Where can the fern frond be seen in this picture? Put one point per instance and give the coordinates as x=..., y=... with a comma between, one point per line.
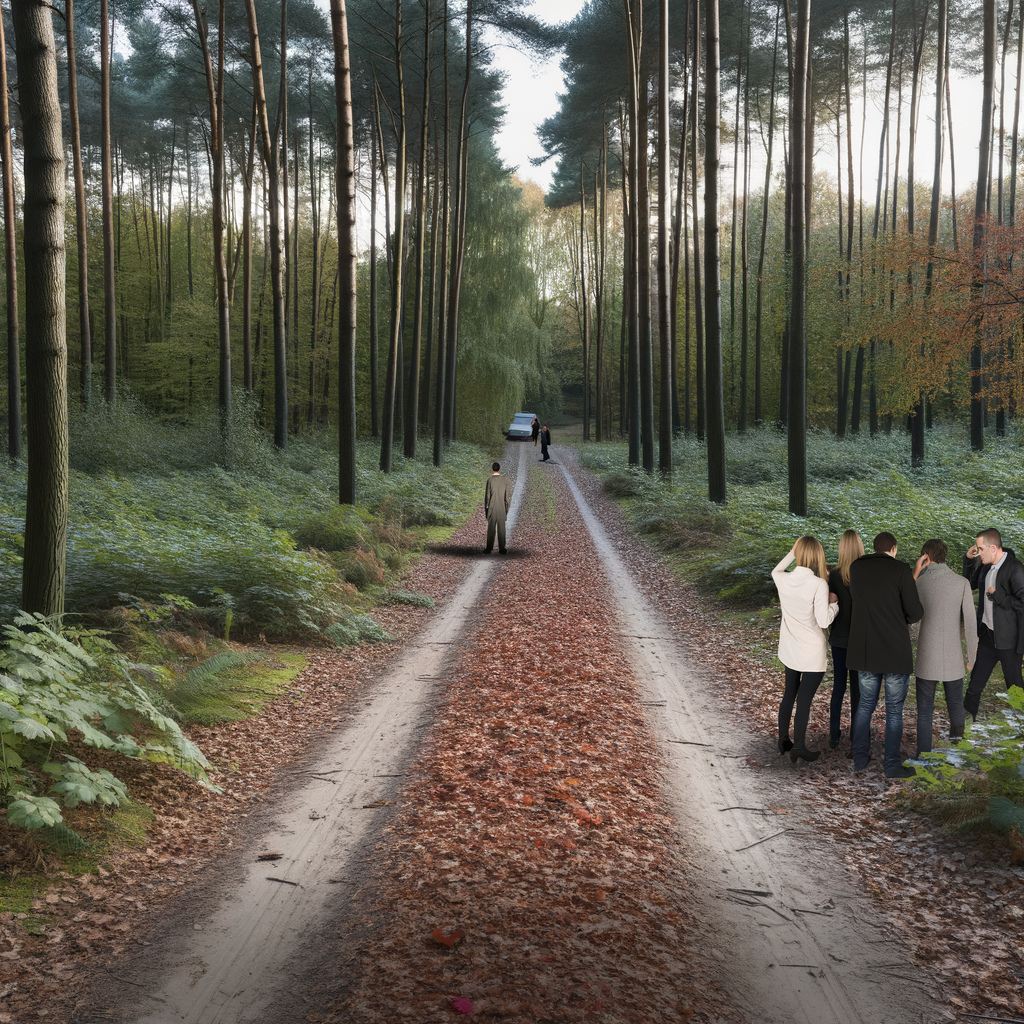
x=1005, y=813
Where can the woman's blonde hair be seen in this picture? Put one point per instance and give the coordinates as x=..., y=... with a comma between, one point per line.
x=809, y=553
x=851, y=547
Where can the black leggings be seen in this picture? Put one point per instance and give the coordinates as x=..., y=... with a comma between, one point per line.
x=840, y=673
x=800, y=688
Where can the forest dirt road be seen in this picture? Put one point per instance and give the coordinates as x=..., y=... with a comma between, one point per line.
x=789, y=933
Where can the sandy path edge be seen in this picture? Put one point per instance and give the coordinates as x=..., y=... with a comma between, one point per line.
x=781, y=907
x=253, y=942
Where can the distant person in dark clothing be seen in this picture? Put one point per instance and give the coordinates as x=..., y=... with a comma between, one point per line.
x=534, y=430
x=999, y=579
x=851, y=547
x=946, y=599
x=885, y=603
x=545, y=440
x=497, y=498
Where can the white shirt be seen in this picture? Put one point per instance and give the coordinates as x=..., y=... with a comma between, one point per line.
x=990, y=581
x=806, y=614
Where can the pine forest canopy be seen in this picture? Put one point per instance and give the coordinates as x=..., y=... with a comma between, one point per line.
x=204, y=212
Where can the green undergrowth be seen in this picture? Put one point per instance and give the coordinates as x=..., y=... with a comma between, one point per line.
x=97, y=834
x=230, y=685
x=866, y=484
x=255, y=541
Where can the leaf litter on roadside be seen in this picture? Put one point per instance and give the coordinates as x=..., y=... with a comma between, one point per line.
x=533, y=821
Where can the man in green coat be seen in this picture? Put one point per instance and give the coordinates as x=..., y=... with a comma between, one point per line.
x=497, y=498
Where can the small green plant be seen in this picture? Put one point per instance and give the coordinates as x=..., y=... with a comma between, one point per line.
x=356, y=628
x=224, y=600
x=52, y=689
x=992, y=753
x=410, y=597
x=228, y=686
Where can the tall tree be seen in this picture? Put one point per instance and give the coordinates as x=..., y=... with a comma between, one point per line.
x=107, y=191
x=413, y=391
x=458, y=255
x=394, y=367
x=345, y=182
x=980, y=214
x=664, y=319
x=46, y=354
x=797, y=419
x=712, y=261
x=81, y=222
x=11, y=259
x=759, y=299
x=215, y=98
x=270, y=151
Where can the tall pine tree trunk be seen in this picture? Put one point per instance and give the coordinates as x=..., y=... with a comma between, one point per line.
x=394, y=366
x=11, y=261
x=797, y=420
x=759, y=298
x=270, y=147
x=46, y=354
x=459, y=234
x=413, y=414
x=107, y=190
x=215, y=97
x=81, y=222
x=980, y=215
x=712, y=263
x=668, y=387
x=345, y=182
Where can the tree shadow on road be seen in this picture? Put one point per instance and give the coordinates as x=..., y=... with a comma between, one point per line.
x=474, y=551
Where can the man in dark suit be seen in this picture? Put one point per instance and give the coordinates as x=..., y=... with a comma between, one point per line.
x=998, y=577
x=497, y=498
x=545, y=440
x=884, y=603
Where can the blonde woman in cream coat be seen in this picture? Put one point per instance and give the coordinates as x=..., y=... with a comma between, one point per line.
x=807, y=611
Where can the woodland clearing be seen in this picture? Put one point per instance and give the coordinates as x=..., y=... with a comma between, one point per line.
x=541, y=819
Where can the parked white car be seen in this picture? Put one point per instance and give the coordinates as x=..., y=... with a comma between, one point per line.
x=521, y=428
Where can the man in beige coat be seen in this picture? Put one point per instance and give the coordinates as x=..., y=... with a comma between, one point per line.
x=497, y=498
x=948, y=613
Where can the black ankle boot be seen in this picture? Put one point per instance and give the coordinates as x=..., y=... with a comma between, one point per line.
x=807, y=755
x=785, y=743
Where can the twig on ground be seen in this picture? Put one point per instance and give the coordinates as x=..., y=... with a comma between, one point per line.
x=765, y=840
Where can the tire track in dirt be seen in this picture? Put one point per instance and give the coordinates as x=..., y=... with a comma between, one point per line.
x=244, y=952
x=533, y=821
x=781, y=911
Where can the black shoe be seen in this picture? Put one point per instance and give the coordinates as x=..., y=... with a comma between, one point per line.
x=502, y=551
x=833, y=743
x=785, y=743
x=808, y=755
x=487, y=551
x=903, y=772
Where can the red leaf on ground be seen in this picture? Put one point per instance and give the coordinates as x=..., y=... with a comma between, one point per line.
x=446, y=940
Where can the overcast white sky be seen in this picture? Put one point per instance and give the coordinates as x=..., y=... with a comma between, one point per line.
x=531, y=96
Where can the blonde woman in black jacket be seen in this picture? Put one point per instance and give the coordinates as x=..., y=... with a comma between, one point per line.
x=851, y=547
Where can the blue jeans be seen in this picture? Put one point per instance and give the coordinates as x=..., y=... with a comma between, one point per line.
x=896, y=687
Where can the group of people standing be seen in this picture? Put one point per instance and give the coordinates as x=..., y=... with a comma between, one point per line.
x=869, y=609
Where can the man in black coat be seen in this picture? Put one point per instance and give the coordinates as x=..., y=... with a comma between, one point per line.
x=999, y=579
x=884, y=604
x=545, y=440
